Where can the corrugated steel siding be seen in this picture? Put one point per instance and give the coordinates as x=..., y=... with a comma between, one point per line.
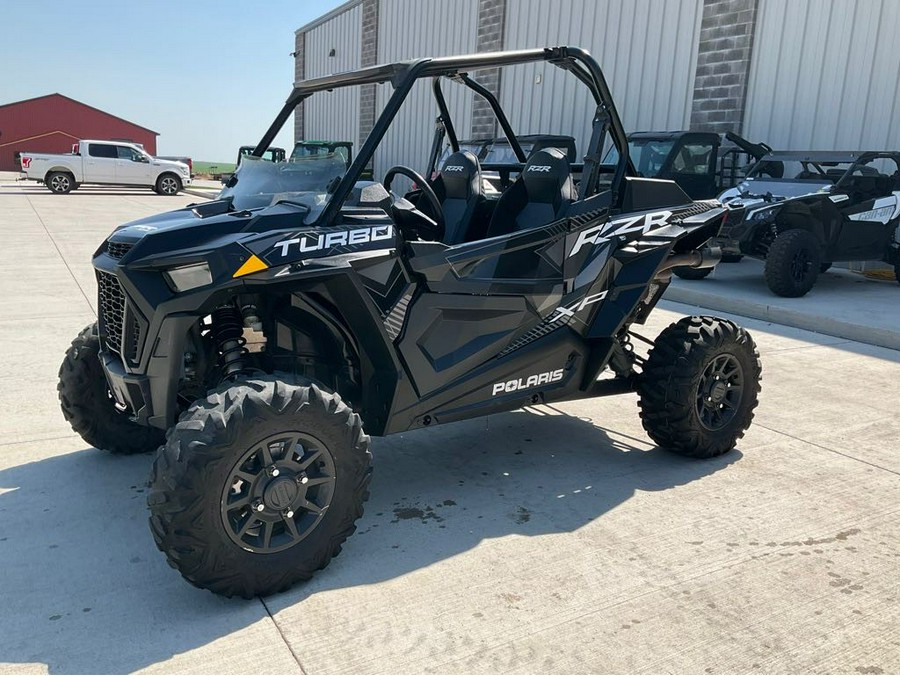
x=414, y=28
x=646, y=48
x=825, y=75
x=334, y=115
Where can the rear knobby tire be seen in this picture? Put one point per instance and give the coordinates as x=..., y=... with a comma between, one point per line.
x=897, y=270
x=793, y=263
x=679, y=375
x=686, y=272
x=89, y=407
x=195, y=484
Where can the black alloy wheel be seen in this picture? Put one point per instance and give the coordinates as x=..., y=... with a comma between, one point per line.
x=278, y=492
x=719, y=392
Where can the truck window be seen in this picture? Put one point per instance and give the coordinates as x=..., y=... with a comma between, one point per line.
x=126, y=153
x=98, y=150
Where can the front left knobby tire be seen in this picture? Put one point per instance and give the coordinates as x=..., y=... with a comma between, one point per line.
x=700, y=386
x=258, y=485
x=89, y=407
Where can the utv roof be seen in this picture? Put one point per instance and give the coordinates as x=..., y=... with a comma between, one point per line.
x=574, y=59
x=824, y=155
x=666, y=135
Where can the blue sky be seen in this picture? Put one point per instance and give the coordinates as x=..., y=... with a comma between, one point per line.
x=209, y=76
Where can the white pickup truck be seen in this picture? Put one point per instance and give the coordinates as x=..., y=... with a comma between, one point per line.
x=105, y=163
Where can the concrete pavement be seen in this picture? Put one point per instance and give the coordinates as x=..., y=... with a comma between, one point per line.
x=842, y=303
x=553, y=539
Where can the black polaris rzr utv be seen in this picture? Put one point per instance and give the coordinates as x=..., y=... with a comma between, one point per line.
x=257, y=336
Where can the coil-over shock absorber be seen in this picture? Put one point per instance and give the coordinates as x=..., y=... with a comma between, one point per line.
x=228, y=332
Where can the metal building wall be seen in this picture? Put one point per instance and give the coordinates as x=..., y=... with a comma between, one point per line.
x=334, y=115
x=646, y=48
x=825, y=75
x=413, y=28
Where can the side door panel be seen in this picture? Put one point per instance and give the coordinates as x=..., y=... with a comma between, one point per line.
x=867, y=229
x=129, y=171
x=479, y=297
x=100, y=163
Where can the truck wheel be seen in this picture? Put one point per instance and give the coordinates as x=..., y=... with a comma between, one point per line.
x=168, y=184
x=699, y=386
x=60, y=183
x=825, y=267
x=258, y=485
x=897, y=270
x=792, y=264
x=89, y=407
x=687, y=272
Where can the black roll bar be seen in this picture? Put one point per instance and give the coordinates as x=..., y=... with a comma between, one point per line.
x=403, y=75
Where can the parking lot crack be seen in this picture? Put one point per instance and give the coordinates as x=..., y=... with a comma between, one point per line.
x=281, y=634
x=831, y=450
x=61, y=257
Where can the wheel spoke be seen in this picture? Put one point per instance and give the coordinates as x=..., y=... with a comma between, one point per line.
x=291, y=527
x=266, y=455
x=244, y=476
x=247, y=525
x=266, y=533
x=317, y=481
x=311, y=507
x=312, y=458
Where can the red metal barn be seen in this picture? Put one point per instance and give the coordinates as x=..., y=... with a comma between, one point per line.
x=52, y=123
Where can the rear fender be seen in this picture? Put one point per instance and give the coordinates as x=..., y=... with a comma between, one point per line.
x=62, y=168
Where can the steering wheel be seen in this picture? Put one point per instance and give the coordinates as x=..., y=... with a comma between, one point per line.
x=434, y=228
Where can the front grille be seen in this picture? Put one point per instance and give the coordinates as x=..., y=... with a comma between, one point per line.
x=118, y=249
x=112, y=309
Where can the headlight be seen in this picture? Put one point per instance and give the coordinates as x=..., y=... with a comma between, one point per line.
x=765, y=213
x=187, y=277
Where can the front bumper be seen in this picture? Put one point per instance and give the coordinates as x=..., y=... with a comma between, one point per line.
x=128, y=389
x=150, y=389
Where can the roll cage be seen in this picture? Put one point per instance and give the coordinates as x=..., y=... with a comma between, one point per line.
x=403, y=75
x=821, y=160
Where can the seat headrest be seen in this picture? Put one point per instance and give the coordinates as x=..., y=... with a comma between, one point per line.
x=546, y=175
x=461, y=175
